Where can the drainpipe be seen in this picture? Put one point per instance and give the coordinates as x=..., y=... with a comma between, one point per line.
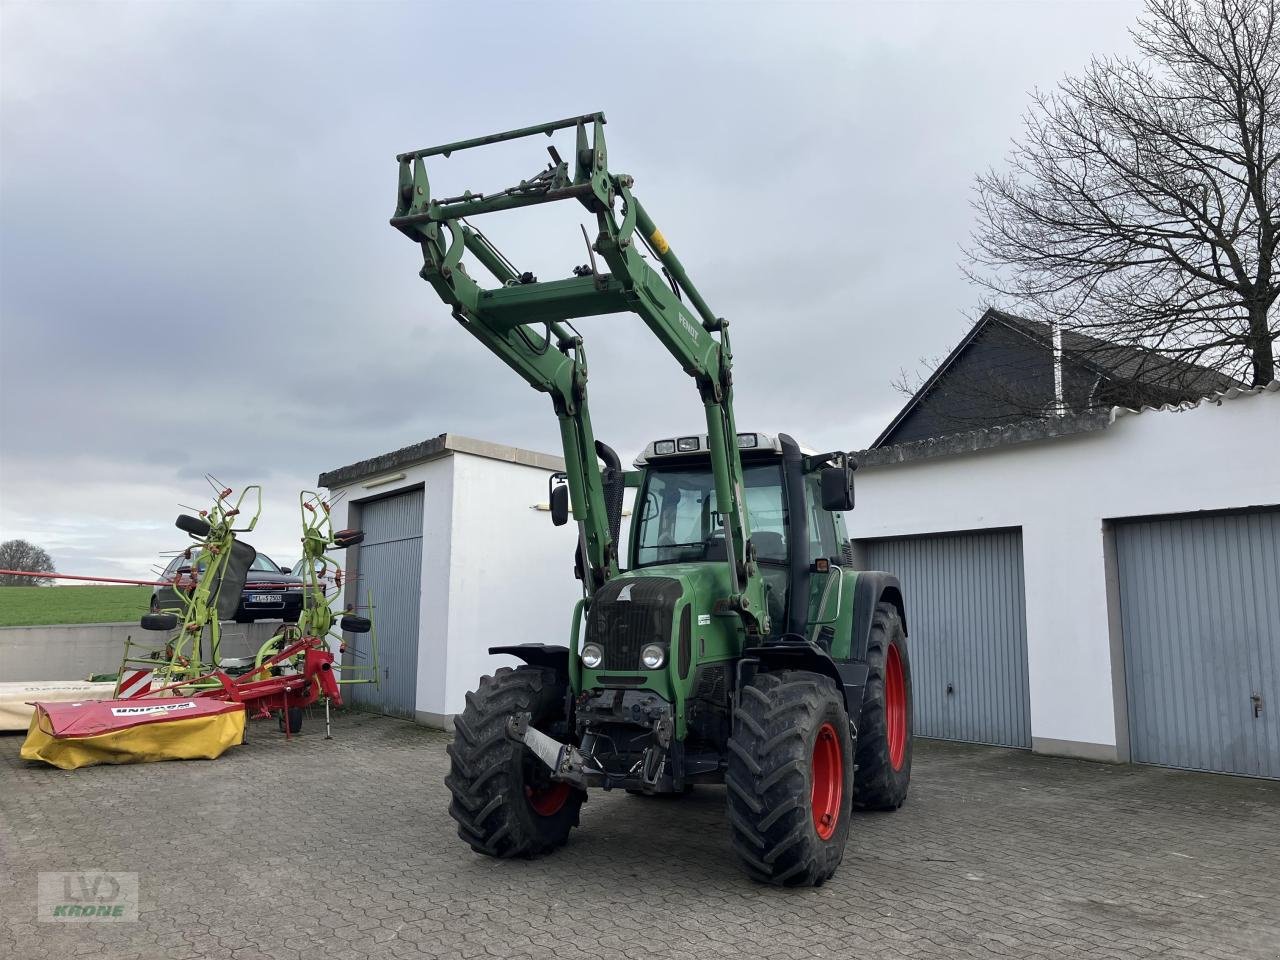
x=1059, y=405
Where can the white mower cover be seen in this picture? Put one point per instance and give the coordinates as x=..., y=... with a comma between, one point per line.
x=16, y=697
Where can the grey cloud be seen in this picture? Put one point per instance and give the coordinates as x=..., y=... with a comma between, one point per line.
x=196, y=273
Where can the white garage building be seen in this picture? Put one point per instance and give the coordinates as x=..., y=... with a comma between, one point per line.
x=1104, y=586
x=458, y=557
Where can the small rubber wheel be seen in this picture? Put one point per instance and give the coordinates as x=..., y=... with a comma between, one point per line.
x=192, y=525
x=159, y=621
x=294, y=717
x=354, y=624
x=348, y=538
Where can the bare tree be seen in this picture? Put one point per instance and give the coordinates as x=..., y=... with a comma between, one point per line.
x=1142, y=204
x=21, y=555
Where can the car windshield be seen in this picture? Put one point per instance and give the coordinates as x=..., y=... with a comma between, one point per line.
x=680, y=521
x=263, y=562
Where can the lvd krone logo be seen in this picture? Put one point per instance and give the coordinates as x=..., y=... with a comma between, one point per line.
x=88, y=895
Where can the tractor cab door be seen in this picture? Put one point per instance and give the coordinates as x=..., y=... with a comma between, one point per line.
x=824, y=544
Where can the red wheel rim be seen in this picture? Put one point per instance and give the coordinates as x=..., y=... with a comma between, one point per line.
x=828, y=781
x=547, y=801
x=895, y=707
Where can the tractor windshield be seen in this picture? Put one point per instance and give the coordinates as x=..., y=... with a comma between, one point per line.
x=680, y=522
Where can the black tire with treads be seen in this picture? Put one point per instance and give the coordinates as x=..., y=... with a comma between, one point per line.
x=196, y=526
x=877, y=784
x=495, y=780
x=770, y=778
x=159, y=621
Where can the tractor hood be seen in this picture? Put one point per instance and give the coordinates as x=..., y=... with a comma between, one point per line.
x=671, y=606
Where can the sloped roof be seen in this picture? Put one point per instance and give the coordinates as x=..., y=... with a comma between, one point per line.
x=1118, y=362
x=986, y=438
x=1123, y=362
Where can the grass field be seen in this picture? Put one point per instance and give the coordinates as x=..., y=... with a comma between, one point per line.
x=36, y=606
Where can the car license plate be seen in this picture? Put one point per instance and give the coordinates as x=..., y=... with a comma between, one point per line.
x=266, y=598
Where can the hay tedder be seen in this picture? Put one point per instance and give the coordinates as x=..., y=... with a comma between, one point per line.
x=291, y=670
x=166, y=702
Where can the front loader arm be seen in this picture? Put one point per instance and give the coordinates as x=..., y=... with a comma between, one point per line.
x=525, y=322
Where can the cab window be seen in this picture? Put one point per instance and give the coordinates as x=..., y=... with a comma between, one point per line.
x=680, y=520
x=822, y=523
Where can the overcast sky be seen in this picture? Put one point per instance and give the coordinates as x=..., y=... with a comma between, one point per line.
x=197, y=275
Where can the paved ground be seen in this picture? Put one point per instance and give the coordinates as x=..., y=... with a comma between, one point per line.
x=996, y=853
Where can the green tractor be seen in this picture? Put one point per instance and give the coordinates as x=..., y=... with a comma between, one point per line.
x=738, y=645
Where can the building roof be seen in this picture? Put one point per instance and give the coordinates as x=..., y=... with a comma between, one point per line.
x=1121, y=363
x=1124, y=362
x=988, y=438
x=446, y=444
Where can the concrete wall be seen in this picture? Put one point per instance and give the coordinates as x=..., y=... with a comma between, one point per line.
x=1062, y=493
x=77, y=651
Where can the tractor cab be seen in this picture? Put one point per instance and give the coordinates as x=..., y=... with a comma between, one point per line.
x=794, y=531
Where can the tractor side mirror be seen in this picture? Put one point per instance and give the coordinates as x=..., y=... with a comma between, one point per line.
x=560, y=504
x=837, y=486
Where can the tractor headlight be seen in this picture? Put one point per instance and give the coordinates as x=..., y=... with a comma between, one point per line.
x=653, y=656
x=592, y=656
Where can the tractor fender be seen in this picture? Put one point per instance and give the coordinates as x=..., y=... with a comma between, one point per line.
x=850, y=678
x=538, y=655
x=872, y=587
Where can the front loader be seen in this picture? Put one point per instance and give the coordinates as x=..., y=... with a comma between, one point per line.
x=736, y=644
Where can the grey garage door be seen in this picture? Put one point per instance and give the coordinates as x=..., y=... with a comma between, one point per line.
x=967, y=626
x=1200, y=615
x=389, y=564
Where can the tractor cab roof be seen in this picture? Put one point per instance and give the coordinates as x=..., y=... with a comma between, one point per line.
x=695, y=446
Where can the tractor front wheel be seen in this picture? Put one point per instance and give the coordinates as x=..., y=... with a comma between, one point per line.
x=790, y=778
x=504, y=800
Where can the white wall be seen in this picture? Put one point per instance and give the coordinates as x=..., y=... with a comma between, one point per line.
x=1061, y=492
x=511, y=574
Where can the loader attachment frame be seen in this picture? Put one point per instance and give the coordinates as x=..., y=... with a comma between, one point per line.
x=527, y=323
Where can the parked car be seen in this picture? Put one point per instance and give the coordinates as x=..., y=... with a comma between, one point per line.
x=271, y=592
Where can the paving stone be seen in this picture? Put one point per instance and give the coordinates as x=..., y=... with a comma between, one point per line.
x=343, y=847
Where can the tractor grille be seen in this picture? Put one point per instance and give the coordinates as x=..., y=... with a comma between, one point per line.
x=628, y=613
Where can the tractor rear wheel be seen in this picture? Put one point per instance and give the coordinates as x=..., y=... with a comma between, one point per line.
x=504, y=799
x=790, y=778
x=884, y=728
